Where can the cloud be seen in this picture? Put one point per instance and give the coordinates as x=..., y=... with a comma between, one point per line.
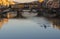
x=23, y=1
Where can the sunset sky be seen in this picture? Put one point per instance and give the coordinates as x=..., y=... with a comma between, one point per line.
x=22, y=1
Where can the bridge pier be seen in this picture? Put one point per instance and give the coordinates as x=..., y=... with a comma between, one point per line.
x=1, y=16
x=39, y=13
x=8, y=15
x=19, y=14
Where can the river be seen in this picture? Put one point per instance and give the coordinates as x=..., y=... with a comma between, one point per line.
x=29, y=28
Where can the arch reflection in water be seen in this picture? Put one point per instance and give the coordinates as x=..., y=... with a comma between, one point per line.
x=28, y=29
x=55, y=22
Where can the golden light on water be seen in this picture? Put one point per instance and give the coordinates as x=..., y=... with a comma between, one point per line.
x=3, y=21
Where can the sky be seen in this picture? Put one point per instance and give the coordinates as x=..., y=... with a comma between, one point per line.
x=23, y=1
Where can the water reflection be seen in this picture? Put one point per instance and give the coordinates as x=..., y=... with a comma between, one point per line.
x=48, y=22
x=3, y=21
x=45, y=26
x=29, y=28
x=56, y=23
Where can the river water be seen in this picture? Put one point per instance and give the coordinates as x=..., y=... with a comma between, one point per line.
x=29, y=28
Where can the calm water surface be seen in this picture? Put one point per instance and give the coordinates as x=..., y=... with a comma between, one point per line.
x=30, y=28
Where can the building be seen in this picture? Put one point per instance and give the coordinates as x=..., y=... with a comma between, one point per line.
x=6, y=2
